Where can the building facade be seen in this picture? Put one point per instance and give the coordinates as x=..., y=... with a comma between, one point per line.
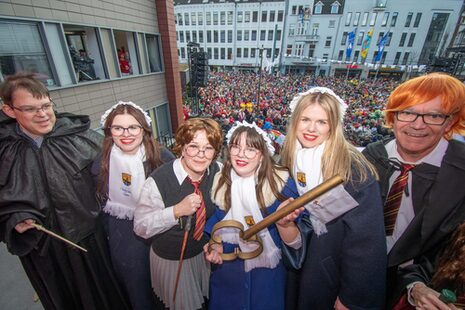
x=93, y=53
x=313, y=36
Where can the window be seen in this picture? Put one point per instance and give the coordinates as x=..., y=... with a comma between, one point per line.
x=264, y=13
x=194, y=19
x=396, y=60
x=262, y=35
x=328, y=41
x=209, y=52
x=311, y=49
x=280, y=16
x=194, y=36
x=188, y=36
x=239, y=35
x=246, y=53
x=215, y=36
x=239, y=17
x=381, y=34
x=200, y=18
x=278, y=35
x=385, y=19
x=270, y=35
x=291, y=29
x=394, y=19
x=238, y=53
x=294, y=10
x=344, y=38
x=246, y=35
x=405, y=59
x=215, y=20
x=153, y=49
x=272, y=16
x=335, y=7
x=356, y=54
x=22, y=50
x=289, y=50
x=254, y=16
x=208, y=18
x=332, y=23
x=181, y=36
x=179, y=19
x=252, y=52
x=388, y=39
x=402, y=39
x=254, y=35
x=417, y=20
x=230, y=17
x=408, y=20
x=222, y=18
x=356, y=18
x=201, y=36
x=340, y=55
x=325, y=56
x=318, y=8
x=373, y=19
x=348, y=18
x=182, y=53
x=186, y=19
x=365, y=19
x=229, y=53
x=230, y=36
x=360, y=37
x=209, y=36
x=299, y=48
x=410, y=41
x=247, y=17
x=222, y=37
x=223, y=53
x=215, y=53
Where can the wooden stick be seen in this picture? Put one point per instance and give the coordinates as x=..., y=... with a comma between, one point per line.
x=51, y=233
x=293, y=205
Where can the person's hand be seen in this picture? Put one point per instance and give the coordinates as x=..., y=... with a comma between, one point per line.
x=427, y=298
x=214, y=256
x=290, y=218
x=188, y=205
x=24, y=225
x=339, y=306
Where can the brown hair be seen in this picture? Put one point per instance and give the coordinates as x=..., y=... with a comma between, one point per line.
x=450, y=273
x=267, y=170
x=425, y=88
x=186, y=132
x=152, y=149
x=22, y=80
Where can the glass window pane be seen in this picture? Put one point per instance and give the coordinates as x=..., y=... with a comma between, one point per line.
x=154, y=53
x=63, y=71
x=22, y=50
x=126, y=49
x=142, y=53
x=109, y=51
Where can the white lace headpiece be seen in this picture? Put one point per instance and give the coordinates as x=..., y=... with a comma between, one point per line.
x=103, y=119
x=322, y=90
x=237, y=124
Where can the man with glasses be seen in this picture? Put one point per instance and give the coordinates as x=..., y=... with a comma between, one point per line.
x=421, y=175
x=45, y=179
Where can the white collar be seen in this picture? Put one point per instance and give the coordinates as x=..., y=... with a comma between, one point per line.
x=433, y=158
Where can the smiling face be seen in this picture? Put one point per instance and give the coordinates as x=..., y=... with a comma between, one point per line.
x=245, y=159
x=416, y=139
x=34, y=124
x=196, y=165
x=127, y=142
x=312, y=126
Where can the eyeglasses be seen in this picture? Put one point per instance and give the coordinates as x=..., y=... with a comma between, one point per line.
x=194, y=150
x=133, y=130
x=249, y=152
x=46, y=107
x=428, y=118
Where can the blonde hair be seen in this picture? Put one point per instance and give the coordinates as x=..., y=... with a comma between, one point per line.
x=339, y=156
x=425, y=88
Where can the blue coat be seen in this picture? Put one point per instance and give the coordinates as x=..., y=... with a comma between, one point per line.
x=349, y=261
x=261, y=288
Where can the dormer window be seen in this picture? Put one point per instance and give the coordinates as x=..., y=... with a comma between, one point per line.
x=318, y=7
x=335, y=7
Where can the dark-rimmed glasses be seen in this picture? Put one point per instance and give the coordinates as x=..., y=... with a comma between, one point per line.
x=46, y=107
x=428, y=118
x=249, y=152
x=132, y=130
x=194, y=150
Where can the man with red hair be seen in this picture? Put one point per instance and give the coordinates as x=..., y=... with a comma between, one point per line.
x=421, y=174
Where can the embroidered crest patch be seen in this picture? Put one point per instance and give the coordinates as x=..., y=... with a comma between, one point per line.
x=249, y=220
x=301, y=179
x=126, y=178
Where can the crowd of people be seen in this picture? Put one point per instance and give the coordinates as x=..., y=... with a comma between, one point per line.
x=152, y=228
x=233, y=95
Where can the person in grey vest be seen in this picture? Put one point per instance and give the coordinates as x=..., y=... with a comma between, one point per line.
x=175, y=195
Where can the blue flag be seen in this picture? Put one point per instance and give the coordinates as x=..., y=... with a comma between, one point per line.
x=350, y=43
x=381, y=45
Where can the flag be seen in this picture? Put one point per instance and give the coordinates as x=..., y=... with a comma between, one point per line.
x=381, y=45
x=366, y=44
x=350, y=43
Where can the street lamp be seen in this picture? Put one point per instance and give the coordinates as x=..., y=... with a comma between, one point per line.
x=259, y=77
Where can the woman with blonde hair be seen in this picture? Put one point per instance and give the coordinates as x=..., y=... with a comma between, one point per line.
x=343, y=253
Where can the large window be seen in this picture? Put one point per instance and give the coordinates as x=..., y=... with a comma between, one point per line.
x=126, y=49
x=153, y=49
x=21, y=49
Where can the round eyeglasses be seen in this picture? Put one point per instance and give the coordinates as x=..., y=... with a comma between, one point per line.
x=194, y=150
x=132, y=130
x=249, y=152
x=428, y=118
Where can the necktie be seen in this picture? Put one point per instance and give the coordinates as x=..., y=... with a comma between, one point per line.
x=392, y=204
x=201, y=213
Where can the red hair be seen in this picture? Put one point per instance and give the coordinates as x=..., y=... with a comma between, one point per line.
x=425, y=88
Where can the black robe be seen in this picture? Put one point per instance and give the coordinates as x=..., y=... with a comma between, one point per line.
x=53, y=185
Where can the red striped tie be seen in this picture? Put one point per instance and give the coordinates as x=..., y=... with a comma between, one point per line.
x=392, y=204
x=200, y=214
